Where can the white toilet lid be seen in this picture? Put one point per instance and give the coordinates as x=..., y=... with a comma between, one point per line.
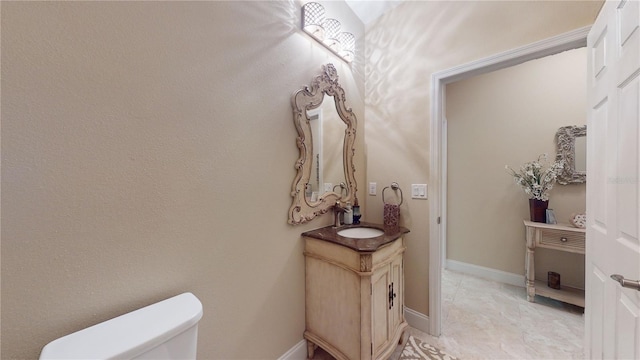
x=131, y=334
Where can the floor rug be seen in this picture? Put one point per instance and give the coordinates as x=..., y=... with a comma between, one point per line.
x=415, y=349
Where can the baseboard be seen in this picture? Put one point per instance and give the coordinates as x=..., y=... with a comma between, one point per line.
x=416, y=320
x=297, y=352
x=486, y=273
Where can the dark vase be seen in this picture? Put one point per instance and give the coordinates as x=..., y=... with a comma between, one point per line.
x=538, y=210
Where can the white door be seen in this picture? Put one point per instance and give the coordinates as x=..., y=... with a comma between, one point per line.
x=612, y=312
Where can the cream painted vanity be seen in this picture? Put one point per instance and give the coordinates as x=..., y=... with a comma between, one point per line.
x=354, y=286
x=354, y=294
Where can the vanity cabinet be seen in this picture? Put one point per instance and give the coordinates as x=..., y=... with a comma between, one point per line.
x=354, y=298
x=558, y=237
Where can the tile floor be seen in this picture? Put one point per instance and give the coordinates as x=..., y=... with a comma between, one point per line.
x=488, y=320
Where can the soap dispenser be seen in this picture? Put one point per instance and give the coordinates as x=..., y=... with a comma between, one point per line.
x=356, y=212
x=348, y=214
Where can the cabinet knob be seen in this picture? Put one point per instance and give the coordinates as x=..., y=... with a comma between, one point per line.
x=563, y=239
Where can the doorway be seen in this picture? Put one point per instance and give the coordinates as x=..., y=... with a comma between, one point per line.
x=438, y=206
x=506, y=118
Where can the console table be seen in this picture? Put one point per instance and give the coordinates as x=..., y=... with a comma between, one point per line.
x=558, y=237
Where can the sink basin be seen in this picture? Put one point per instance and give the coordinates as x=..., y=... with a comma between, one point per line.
x=360, y=232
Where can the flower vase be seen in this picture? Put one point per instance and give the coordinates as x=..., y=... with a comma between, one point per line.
x=538, y=210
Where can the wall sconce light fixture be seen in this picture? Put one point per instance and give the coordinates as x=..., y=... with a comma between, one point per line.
x=327, y=31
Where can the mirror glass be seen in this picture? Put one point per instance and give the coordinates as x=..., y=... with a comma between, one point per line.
x=327, y=167
x=326, y=136
x=571, y=142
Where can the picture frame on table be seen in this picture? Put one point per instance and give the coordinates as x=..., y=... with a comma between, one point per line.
x=551, y=217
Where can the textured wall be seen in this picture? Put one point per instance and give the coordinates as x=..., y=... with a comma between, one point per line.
x=148, y=149
x=403, y=49
x=510, y=116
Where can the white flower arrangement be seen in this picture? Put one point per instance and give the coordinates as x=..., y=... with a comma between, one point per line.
x=534, y=179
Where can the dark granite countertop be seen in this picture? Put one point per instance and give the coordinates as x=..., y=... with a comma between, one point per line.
x=329, y=233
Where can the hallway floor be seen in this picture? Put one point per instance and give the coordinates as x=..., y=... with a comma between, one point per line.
x=483, y=319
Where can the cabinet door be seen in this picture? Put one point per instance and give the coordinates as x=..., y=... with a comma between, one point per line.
x=380, y=282
x=397, y=284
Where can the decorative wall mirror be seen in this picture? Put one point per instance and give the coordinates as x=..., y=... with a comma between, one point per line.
x=572, y=149
x=326, y=136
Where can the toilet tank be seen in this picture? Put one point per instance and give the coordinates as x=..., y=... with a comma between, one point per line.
x=164, y=330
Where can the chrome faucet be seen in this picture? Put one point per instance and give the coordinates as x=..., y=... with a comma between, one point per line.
x=337, y=209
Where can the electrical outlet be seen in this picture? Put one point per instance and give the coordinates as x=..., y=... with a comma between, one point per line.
x=372, y=188
x=418, y=191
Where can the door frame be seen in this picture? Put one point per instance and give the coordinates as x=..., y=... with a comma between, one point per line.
x=438, y=146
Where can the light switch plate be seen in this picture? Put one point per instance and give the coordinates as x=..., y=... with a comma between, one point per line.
x=418, y=191
x=372, y=188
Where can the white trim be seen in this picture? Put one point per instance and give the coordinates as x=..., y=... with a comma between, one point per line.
x=486, y=273
x=436, y=215
x=297, y=352
x=570, y=40
x=438, y=156
x=416, y=319
x=445, y=170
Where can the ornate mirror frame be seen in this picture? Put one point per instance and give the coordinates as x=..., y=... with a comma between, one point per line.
x=308, y=98
x=566, y=151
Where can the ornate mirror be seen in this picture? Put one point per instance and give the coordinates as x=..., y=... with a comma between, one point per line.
x=326, y=136
x=572, y=149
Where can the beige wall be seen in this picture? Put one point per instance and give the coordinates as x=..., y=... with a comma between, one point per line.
x=509, y=117
x=148, y=149
x=403, y=49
